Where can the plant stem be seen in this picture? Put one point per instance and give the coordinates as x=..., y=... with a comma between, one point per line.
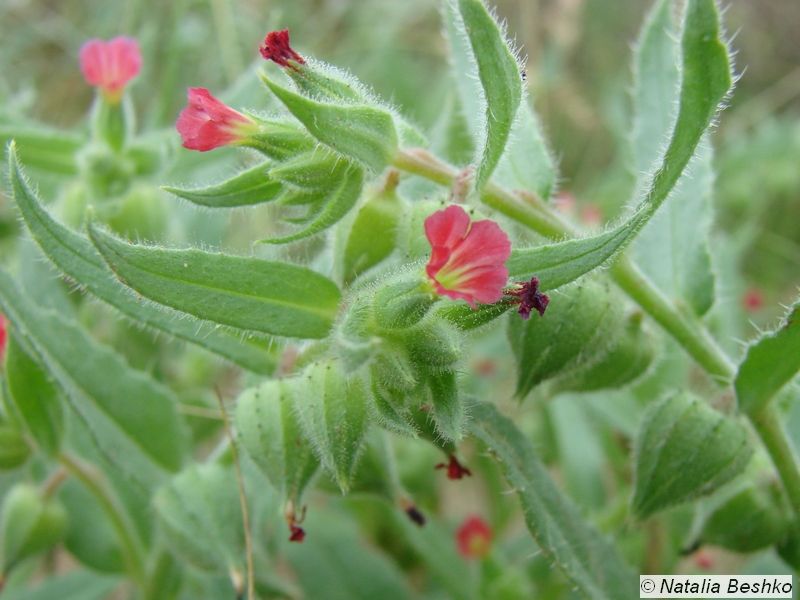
x=687, y=331
x=781, y=452
x=529, y=210
x=94, y=482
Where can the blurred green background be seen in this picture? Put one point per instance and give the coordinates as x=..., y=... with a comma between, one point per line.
x=578, y=65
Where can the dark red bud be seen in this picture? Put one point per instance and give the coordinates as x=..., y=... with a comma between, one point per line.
x=277, y=49
x=529, y=298
x=455, y=470
x=297, y=533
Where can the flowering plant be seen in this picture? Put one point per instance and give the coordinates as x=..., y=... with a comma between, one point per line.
x=219, y=390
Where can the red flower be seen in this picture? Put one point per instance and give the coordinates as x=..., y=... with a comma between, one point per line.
x=277, y=49
x=296, y=533
x=3, y=336
x=474, y=538
x=206, y=123
x=467, y=259
x=110, y=65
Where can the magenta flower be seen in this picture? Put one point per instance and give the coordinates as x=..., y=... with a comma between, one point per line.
x=110, y=65
x=206, y=123
x=467, y=259
x=474, y=538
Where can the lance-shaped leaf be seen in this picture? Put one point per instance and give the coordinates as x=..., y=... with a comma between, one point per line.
x=331, y=204
x=588, y=560
x=332, y=410
x=358, y=131
x=201, y=517
x=673, y=248
x=253, y=186
x=685, y=449
x=34, y=398
x=102, y=389
x=771, y=362
x=244, y=292
x=499, y=75
x=269, y=431
x=705, y=80
x=77, y=258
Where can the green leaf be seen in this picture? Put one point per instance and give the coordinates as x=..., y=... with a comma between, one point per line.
x=44, y=148
x=706, y=79
x=75, y=256
x=312, y=170
x=243, y=292
x=344, y=190
x=672, y=249
x=770, y=363
x=587, y=559
x=685, y=449
x=499, y=74
x=35, y=399
x=200, y=515
x=332, y=410
x=253, y=186
x=527, y=163
x=101, y=388
x=364, y=133
x=269, y=431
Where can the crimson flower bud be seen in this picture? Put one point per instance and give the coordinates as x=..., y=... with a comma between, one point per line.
x=277, y=49
x=3, y=336
x=110, y=65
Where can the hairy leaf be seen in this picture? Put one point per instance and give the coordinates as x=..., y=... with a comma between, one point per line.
x=358, y=131
x=345, y=186
x=672, y=249
x=706, y=79
x=771, y=362
x=253, y=186
x=76, y=257
x=499, y=74
x=588, y=560
x=243, y=292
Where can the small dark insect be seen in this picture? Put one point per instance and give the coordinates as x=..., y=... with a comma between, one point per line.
x=524, y=74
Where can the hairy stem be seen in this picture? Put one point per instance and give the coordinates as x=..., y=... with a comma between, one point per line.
x=96, y=484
